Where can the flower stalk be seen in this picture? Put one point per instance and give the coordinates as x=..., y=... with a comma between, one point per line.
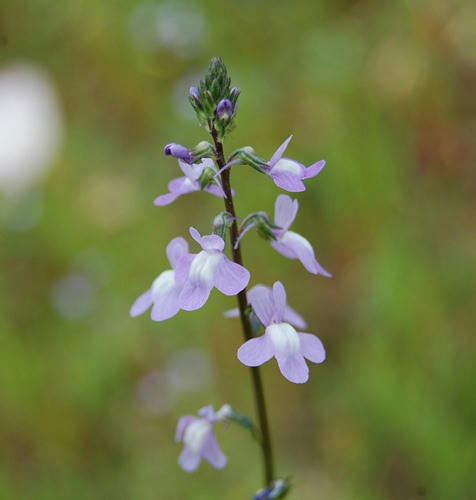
x=260, y=402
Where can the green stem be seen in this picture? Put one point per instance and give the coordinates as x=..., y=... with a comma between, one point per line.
x=245, y=320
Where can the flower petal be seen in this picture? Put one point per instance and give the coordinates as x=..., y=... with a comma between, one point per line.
x=285, y=210
x=231, y=278
x=294, y=368
x=182, y=268
x=212, y=453
x=195, y=234
x=213, y=243
x=312, y=348
x=279, y=152
x=216, y=190
x=189, y=459
x=182, y=424
x=314, y=169
x=208, y=413
x=141, y=304
x=255, y=352
x=279, y=297
x=165, y=199
x=260, y=298
x=288, y=181
x=284, y=249
x=177, y=187
x=194, y=295
x=176, y=249
x=166, y=304
x=291, y=316
x=192, y=172
x=292, y=243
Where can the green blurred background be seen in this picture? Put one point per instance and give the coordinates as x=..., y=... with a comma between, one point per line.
x=384, y=91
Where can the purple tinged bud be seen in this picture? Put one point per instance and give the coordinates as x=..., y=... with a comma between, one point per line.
x=225, y=109
x=178, y=151
x=195, y=93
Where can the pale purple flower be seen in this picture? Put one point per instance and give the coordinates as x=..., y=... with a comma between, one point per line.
x=178, y=151
x=164, y=293
x=280, y=339
x=211, y=268
x=190, y=182
x=257, y=291
x=199, y=440
x=288, y=174
x=289, y=243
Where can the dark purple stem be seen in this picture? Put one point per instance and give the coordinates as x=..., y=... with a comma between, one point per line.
x=245, y=320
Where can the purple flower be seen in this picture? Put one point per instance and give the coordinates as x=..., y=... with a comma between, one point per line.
x=178, y=151
x=211, y=268
x=288, y=174
x=225, y=109
x=289, y=243
x=257, y=291
x=190, y=182
x=164, y=293
x=280, y=339
x=199, y=440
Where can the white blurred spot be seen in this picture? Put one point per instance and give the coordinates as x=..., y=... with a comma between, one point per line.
x=30, y=126
x=177, y=26
x=187, y=371
x=73, y=296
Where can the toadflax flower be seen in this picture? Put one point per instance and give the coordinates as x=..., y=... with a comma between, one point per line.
x=288, y=174
x=290, y=315
x=164, y=293
x=280, y=339
x=199, y=440
x=211, y=268
x=192, y=181
x=289, y=243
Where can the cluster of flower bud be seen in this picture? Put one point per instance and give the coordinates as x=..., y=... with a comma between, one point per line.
x=214, y=101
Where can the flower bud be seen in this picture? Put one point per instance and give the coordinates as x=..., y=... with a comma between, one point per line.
x=265, y=226
x=225, y=109
x=195, y=93
x=202, y=149
x=179, y=151
x=248, y=156
x=277, y=489
x=221, y=222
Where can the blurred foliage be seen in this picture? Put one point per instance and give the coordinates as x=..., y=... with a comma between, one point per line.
x=385, y=92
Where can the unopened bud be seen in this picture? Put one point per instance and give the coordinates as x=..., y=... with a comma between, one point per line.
x=178, y=151
x=225, y=109
x=195, y=93
x=202, y=149
x=278, y=489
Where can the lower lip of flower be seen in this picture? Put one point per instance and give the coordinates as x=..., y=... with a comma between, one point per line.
x=284, y=338
x=196, y=433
